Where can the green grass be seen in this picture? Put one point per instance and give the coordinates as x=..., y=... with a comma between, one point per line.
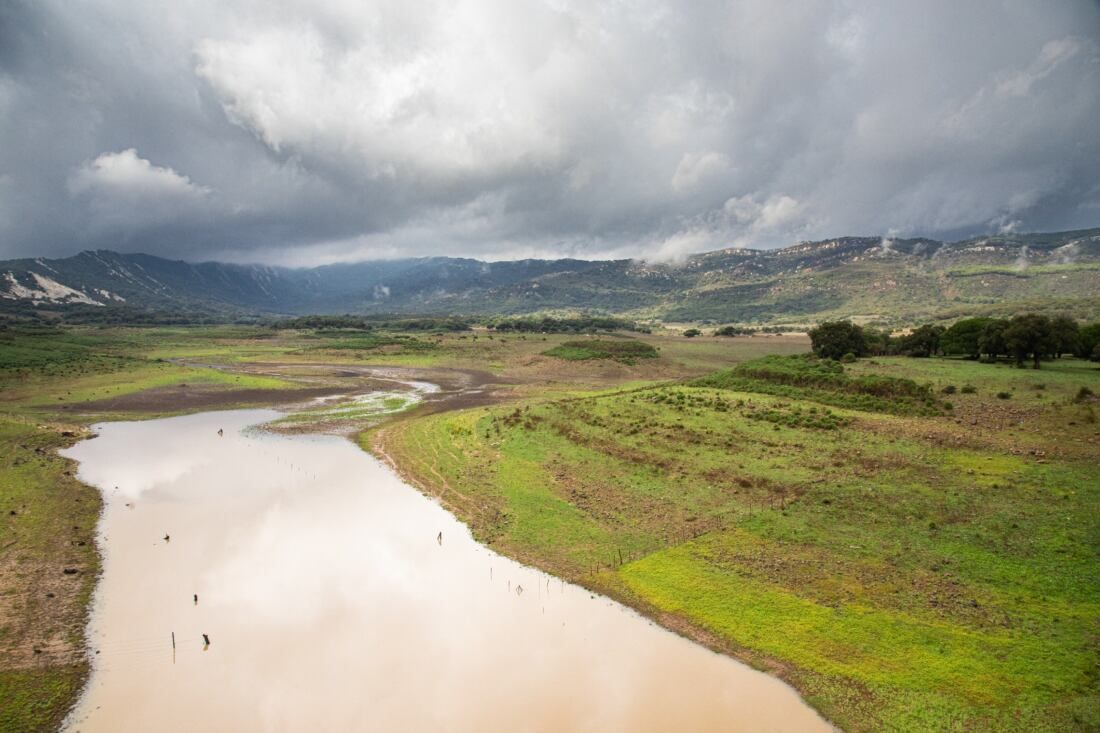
x=821, y=380
x=906, y=569
x=368, y=341
x=908, y=572
x=36, y=699
x=627, y=351
x=47, y=521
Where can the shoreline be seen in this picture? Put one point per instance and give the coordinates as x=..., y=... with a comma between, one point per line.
x=85, y=703
x=373, y=441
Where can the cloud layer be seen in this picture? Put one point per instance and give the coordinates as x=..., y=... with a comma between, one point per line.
x=305, y=131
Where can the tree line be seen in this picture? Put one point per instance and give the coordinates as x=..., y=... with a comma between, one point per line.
x=1029, y=337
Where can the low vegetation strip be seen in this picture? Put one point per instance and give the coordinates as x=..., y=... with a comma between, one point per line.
x=368, y=341
x=906, y=572
x=48, y=558
x=48, y=566
x=626, y=351
x=827, y=382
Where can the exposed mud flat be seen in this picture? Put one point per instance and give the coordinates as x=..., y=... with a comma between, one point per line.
x=336, y=597
x=180, y=398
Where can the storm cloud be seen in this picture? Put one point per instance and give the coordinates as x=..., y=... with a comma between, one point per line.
x=306, y=131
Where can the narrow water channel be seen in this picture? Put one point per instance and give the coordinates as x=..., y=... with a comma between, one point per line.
x=332, y=605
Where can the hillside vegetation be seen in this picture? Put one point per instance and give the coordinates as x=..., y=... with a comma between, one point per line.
x=892, y=281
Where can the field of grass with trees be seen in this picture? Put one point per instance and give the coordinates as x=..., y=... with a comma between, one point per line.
x=906, y=546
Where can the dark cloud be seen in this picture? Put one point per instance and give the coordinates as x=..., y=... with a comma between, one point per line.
x=312, y=131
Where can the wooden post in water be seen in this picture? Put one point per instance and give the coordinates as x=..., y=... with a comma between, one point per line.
x=173, y=641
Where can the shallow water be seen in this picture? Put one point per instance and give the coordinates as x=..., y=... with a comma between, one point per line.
x=331, y=605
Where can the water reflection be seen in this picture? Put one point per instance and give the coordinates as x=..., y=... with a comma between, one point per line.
x=330, y=603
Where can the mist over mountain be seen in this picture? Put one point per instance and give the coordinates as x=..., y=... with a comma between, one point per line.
x=869, y=277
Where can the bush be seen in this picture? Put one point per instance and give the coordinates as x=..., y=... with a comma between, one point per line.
x=968, y=389
x=692, y=333
x=734, y=331
x=949, y=389
x=1083, y=394
x=1004, y=395
x=834, y=339
x=848, y=358
x=824, y=380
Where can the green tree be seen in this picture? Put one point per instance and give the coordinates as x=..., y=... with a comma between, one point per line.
x=1029, y=336
x=834, y=339
x=992, y=341
x=1065, y=335
x=1088, y=338
x=877, y=341
x=963, y=337
x=923, y=341
x=692, y=332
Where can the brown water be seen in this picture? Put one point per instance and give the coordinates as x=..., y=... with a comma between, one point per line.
x=331, y=606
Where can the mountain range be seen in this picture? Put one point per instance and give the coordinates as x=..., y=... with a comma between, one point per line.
x=868, y=278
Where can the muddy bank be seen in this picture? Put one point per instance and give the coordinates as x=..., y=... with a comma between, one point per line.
x=186, y=398
x=459, y=388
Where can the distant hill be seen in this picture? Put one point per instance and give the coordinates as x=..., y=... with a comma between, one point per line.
x=889, y=280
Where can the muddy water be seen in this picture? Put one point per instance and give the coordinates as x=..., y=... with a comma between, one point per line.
x=331, y=605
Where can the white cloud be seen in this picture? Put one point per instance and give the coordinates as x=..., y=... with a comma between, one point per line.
x=126, y=193
x=695, y=169
x=127, y=173
x=1052, y=55
x=468, y=92
x=776, y=212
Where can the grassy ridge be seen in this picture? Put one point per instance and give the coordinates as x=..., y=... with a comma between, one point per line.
x=627, y=351
x=906, y=572
x=820, y=380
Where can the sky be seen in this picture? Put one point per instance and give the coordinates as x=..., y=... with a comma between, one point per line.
x=303, y=132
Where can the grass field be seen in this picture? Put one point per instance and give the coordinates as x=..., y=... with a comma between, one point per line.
x=909, y=549
x=905, y=572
